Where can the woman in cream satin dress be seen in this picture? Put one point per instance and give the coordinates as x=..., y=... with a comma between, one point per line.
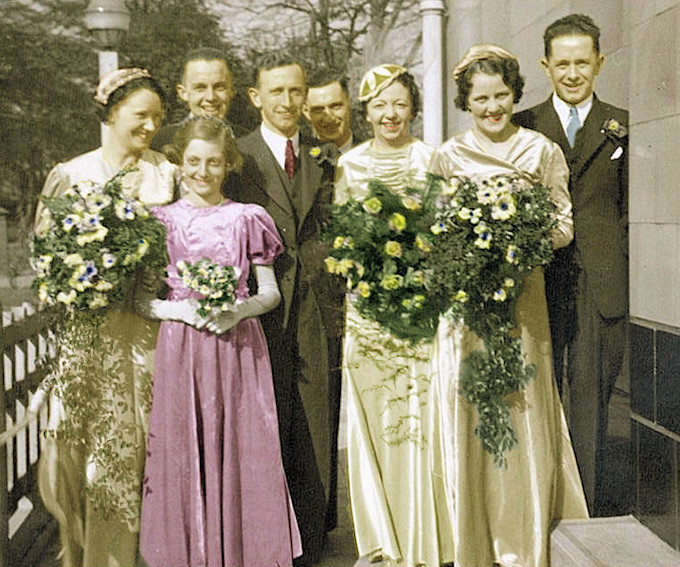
x=504, y=516
x=392, y=492
x=95, y=492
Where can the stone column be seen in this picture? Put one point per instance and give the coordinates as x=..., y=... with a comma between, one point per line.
x=434, y=62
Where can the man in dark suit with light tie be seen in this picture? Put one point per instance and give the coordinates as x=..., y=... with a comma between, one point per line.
x=587, y=283
x=293, y=181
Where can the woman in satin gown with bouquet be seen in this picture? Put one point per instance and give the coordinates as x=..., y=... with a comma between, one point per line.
x=90, y=471
x=503, y=505
x=393, y=494
x=215, y=491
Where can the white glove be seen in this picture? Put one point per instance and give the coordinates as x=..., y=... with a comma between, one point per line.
x=183, y=310
x=267, y=297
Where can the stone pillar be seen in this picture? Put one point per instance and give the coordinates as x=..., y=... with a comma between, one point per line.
x=434, y=62
x=463, y=30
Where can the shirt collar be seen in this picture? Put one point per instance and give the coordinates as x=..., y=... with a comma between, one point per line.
x=277, y=143
x=562, y=109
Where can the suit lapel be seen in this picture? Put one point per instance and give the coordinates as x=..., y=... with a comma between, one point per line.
x=589, y=139
x=273, y=179
x=549, y=123
x=307, y=181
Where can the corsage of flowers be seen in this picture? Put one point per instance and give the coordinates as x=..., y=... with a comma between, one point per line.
x=324, y=155
x=97, y=238
x=614, y=130
x=217, y=284
x=380, y=244
x=489, y=234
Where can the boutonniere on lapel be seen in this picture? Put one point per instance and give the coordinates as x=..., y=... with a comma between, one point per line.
x=324, y=156
x=617, y=133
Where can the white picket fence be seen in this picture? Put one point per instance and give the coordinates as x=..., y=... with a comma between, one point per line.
x=26, y=344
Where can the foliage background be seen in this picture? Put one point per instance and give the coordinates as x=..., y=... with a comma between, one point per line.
x=48, y=69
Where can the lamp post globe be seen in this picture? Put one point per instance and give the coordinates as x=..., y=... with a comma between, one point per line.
x=108, y=20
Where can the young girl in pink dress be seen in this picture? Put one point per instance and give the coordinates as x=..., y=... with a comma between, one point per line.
x=215, y=493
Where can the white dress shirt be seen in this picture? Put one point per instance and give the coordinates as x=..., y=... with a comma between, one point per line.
x=277, y=143
x=562, y=109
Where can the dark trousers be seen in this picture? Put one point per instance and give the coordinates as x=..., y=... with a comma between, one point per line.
x=594, y=358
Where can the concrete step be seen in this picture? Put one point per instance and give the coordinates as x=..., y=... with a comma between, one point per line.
x=609, y=542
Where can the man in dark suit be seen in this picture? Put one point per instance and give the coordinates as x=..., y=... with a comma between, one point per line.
x=206, y=86
x=587, y=283
x=293, y=181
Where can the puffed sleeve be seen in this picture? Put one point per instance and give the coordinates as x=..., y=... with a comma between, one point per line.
x=264, y=242
x=56, y=184
x=556, y=178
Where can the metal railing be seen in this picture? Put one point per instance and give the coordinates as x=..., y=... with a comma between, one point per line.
x=26, y=344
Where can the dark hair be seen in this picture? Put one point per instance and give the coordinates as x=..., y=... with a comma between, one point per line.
x=209, y=130
x=204, y=54
x=148, y=83
x=508, y=69
x=573, y=24
x=409, y=82
x=272, y=60
x=326, y=76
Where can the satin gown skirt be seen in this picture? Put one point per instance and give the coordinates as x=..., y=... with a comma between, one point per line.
x=215, y=493
x=394, y=473
x=505, y=516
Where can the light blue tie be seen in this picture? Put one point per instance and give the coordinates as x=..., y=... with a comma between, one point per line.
x=573, y=125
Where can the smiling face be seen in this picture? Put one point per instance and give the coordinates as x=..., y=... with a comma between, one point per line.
x=390, y=114
x=572, y=67
x=207, y=88
x=328, y=110
x=491, y=103
x=134, y=121
x=204, y=169
x=279, y=96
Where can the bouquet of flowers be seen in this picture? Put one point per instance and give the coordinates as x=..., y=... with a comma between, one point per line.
x=489, y=234
x=380, y=244
x=217, y=284
x=85, y=262
x=97, y=238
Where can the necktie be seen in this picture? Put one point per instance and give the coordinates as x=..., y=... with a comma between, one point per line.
x=289, y=163
x=573, y=125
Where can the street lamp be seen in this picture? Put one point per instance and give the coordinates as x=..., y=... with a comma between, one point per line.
x=108, y=21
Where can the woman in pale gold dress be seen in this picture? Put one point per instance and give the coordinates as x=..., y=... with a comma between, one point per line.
x=504, y=516
x=92, y=485
x=393, y=493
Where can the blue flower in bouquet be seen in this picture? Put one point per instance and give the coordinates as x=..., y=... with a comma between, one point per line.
x=86, y=242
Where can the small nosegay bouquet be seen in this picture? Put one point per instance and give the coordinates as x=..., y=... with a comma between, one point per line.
x=217, y=284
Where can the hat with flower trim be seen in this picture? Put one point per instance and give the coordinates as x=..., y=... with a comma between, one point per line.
x=113, y=80
x=378, y=79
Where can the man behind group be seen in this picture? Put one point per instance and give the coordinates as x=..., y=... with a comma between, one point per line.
x=329, y=111
x=587, y=283
x=293, y=182
x=207, y=88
